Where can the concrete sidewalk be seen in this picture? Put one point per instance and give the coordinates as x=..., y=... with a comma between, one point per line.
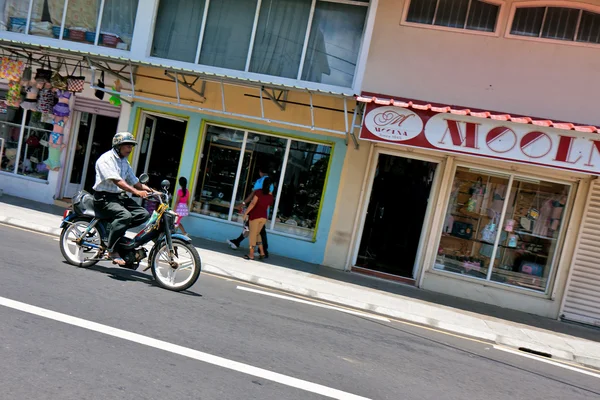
x=498, y=325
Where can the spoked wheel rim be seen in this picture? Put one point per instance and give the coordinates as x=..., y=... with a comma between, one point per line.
x=180, y=276
x=75, y=253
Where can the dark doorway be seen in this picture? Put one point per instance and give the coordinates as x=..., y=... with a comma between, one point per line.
x=106, y=127
x=160, y=149
x=395, y=215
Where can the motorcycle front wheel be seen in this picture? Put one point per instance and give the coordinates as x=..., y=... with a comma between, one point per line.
x=184, y=271
x=72, y=252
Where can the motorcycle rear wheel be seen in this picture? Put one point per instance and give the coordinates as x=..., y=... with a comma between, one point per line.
x=73, y=253
x=188, y=261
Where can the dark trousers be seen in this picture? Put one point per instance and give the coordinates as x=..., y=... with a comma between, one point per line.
x=263, y=237
x=122, y=210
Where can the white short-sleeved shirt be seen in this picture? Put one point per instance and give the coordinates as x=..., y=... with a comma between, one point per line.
x=110, y=166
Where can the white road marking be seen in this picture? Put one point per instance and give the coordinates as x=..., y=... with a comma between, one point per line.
x=183, y=351
x=546, y=360
x=290, y=298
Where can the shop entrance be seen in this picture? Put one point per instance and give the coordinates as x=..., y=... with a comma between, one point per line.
x=92, y=137
x=160, y=147
x=395, y=215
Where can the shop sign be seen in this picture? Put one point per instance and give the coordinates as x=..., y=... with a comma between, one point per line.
x=394, y=124
x=572, y=150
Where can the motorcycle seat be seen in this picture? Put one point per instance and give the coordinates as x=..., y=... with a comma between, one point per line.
x=83, y=204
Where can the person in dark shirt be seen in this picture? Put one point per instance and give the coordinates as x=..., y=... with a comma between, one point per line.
x=257, y=214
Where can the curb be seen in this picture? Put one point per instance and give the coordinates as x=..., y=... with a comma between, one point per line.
x=412, y=318
x=565, y=355
x=30, y=226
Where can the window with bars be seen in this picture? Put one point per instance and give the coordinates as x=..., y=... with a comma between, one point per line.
x=559, y=23
x=472, y=15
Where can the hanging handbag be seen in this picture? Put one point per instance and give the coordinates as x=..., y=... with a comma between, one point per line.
x=489, y=232
x=75, y=83
x=477, y=191
x=27, y=71
x=100, y=93
x=13, y=95
x=33, y=141
x=11, y=70
x=44, y=74
x=58, y=81
x=534, y=211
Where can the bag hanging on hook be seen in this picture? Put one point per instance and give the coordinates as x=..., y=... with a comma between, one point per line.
x=75, y=83
x=13, y=95
x=27, y=71
x=100, y=93
x=11, y=70
x=43, y=75
x=58, y=81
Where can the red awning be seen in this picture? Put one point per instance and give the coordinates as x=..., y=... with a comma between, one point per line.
x=368, y=98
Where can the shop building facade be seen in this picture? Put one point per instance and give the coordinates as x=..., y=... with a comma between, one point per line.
x=397, y=149
x=471, y=178
x=29, y=169
x=219, y=90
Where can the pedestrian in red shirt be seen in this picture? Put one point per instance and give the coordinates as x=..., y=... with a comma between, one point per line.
x=257, y=213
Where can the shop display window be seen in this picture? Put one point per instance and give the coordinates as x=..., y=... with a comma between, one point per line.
x=33, y=142
x=298, y=171
x=502, y=228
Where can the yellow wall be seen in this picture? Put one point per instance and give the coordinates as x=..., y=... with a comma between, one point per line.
x=152, y=83
x=347, y=206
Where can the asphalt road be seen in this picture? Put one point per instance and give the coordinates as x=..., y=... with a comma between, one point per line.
x=266, y=347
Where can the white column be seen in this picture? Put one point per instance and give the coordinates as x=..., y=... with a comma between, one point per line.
x=141, y=43
x=124, y=118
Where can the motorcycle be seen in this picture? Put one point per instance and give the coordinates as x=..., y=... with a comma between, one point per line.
x=174, y=261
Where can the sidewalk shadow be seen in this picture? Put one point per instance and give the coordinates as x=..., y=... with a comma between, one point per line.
x=413, y=293
x=128, y=275
x=32, y=205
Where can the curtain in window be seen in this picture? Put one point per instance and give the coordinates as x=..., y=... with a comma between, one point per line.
x=177, y=29
x=80, y=13
x=20, y=9
x=280, y=37
x=334, y=43
x=227, y=33
x=3, y=15
x=118, y=18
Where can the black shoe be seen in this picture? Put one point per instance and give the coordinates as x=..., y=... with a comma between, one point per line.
x=266, y=255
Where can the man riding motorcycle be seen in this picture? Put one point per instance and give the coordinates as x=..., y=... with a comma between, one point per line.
x=114, y=177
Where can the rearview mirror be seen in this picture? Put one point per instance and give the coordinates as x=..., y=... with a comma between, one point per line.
x=165, y=184
x=144, y=178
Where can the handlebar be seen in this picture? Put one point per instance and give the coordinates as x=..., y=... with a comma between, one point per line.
x=159, y=195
